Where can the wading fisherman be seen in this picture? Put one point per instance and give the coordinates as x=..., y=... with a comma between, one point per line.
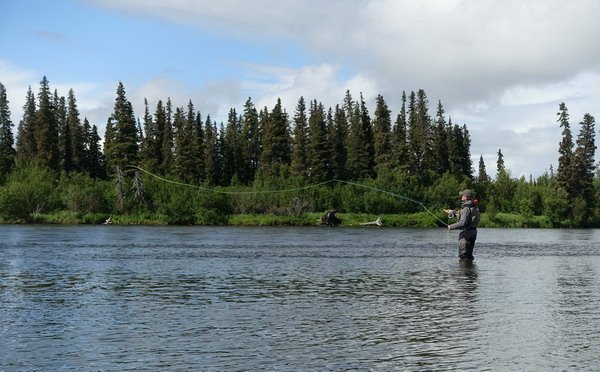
x=468, y=221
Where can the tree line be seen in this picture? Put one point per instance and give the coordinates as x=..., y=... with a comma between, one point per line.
x=414, y=153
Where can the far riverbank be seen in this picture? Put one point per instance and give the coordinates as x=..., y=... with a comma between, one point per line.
x=414, y=220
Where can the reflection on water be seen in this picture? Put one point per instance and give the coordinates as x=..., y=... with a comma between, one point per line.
x=296, y=298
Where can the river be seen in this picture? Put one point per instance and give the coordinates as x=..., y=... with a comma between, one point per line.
x=288, y=298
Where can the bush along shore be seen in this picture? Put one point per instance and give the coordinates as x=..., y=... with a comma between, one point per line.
x=414, y=220
x=34, y=195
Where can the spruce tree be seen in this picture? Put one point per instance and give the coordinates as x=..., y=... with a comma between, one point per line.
x=65, y=143
x=155, y=139
x=338, y=136
x=584, y=165
x=358, y=164
x=382, y=134
x=565, y=172
x=121, y=134
x=300, y=146
x=251, y=143
x=367, y=128
x=276, y=141
x=46, y=130
x=318, y=150
x=456, y=150
x=198, y=155
x=482, y=175
x=76, y=131
x=465, y=154
x=93, y=158
x=500, y=163
x=26, y=132
x=211, y=167
x=232, y=148
x=167, y=143
x=413, y=136
x=148, y=147
x=184, y=146
x=441, y=157
x=7, y=152
x=400, y=145
x=419, y=135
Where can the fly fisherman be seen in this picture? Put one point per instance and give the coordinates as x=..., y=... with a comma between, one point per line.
x=468, y=220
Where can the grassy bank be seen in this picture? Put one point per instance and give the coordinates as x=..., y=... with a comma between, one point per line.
x=415, y=220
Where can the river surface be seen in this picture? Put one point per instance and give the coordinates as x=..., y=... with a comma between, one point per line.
x=230, y=298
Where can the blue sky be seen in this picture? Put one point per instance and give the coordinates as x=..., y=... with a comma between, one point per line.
x=500, y=67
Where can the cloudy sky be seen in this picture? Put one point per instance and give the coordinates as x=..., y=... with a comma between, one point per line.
x=499, y=66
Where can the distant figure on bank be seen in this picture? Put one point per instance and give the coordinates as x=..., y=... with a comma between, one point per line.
x=330, y=219
x=468, y=221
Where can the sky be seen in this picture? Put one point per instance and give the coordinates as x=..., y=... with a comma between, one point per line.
x=501, y=67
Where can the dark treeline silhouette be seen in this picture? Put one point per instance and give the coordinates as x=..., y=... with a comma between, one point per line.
x=413, y=152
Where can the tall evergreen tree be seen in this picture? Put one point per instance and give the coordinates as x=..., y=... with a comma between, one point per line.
x=65, y=141
x=465, y=154
x=194, y=164
x=276, y=141
x=318, y=151
x=251, y=143
x=358, y=161
x=500, y=167
x=583, y=159
x=26, y=147
x=413, y=136
x=419, y=138
x=482, y=175
x=7, y=152
x=46, y=130
x=93, y=162
x=76, y=131
x=232, y=148
x=220, y=161
x=199, y=173
x=456, y=150
x=156, y=155
x=382, y=134
x=338, y=137
x=400, y=144
x=168, y=142
x=149, y=147
x=211, y=166
x=565, y=173
x=367, y=128
x=121, y=142
x=441, y=157
x=300, y=147
x=184, y=145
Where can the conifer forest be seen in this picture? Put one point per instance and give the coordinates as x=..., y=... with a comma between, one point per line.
x=176, y=165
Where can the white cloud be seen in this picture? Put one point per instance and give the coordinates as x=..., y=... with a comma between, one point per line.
x=16, y=82
x=579, y=87
x=501, y=67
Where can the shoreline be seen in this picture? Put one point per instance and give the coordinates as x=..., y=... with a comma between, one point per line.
x=414, y=220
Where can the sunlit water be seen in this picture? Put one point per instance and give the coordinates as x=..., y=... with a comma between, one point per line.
x=225, y=298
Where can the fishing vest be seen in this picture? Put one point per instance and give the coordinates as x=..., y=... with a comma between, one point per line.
x=472, y=221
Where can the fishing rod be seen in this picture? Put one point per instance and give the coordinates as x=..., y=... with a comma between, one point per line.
x=290, y=189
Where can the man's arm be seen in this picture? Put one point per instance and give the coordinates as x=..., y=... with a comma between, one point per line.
x=463, y=219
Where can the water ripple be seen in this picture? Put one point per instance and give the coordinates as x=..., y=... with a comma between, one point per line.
x=313, y=299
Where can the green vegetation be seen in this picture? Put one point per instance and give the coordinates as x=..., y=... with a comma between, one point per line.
x=264, y=167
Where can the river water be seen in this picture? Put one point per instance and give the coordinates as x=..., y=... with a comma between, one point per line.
x=230, y=298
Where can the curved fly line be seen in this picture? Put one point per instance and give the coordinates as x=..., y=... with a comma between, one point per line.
x=290, y=189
